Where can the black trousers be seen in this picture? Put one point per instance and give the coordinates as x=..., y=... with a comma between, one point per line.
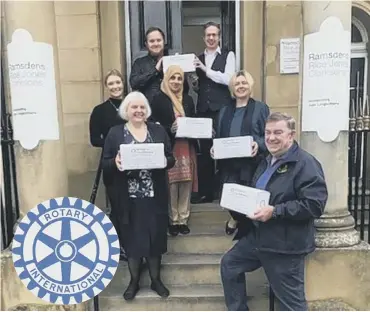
x=113, y=216
x=206, y=165
x=285, y=273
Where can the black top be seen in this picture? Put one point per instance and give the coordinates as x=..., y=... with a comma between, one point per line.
x=258, y=113
x=103, y=117
x=162, y=111
x=252, y=123
x=147, y=79
x=117, y=181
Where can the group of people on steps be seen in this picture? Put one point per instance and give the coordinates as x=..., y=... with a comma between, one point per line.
x=147, y=205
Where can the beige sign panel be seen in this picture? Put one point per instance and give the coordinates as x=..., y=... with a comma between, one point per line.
x=33, y=90
x=326, y=78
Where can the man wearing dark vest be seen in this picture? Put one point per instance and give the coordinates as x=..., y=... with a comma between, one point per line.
x=214, y=68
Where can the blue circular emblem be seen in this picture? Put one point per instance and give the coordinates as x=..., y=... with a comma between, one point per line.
x=66, y=250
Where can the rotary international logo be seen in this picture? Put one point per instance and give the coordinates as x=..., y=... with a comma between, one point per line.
x=65, y=250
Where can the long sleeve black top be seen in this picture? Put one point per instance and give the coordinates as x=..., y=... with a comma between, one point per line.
x=103, y=117
x=162, y=112
x=144, y=77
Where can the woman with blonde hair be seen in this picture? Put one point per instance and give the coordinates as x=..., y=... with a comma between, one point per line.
x=105, y=115
x=170, y=104
x=244, y=116
x=102, y=118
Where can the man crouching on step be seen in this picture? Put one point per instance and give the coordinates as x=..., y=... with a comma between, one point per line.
x=280, y=235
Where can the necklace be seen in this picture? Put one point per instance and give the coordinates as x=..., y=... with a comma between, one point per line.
x=114, y=106
x=139, y=134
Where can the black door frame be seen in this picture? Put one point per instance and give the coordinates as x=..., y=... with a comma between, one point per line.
x=127, y=21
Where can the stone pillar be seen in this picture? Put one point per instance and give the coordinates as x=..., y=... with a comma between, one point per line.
x=336, y=227
x=42, y=171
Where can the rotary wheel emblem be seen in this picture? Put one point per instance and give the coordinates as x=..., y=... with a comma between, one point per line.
x=66, y=250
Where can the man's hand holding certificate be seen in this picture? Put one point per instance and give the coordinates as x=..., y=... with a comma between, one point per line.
x=185, y=61
x=142, y=156
x=194, y=128
x=243, y=199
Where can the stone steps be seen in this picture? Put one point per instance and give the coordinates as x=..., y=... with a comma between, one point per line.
x=182, y=270
x=207, y=232
x=190, y=269
x=203, y=218
x=182, y=298
x=203, y=239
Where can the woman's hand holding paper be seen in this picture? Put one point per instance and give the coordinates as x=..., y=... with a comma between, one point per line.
x=118, y=161
x=254, y=148
x=174, y=127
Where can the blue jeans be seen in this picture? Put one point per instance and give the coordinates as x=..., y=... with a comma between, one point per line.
x=284, y=272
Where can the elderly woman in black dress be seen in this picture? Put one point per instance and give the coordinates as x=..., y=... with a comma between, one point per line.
x=140, y=196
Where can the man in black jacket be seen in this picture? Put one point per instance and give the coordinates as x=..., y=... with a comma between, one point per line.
x=279, y=235
x=147, y=71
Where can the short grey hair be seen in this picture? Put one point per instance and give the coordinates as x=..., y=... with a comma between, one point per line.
x=277, y=116
x=133, y=96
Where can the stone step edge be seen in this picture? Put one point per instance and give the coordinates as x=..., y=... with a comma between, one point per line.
x=211, y=207
x=196, y=231
x=214, y=206
x=178, y=291
x=187, y=259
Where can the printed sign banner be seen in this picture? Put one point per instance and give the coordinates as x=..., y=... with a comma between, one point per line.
x=32, y=89
x=326, y=79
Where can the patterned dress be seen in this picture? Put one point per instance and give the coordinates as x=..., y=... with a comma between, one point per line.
x=140, y=184
x=146, y=233
x=185, y=169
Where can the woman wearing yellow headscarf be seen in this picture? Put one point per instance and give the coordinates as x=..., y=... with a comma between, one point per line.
x=167, y=106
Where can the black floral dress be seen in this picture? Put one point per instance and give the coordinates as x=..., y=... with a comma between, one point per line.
x=146, y=233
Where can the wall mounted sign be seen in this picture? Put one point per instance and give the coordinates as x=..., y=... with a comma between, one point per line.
x=326, y=79
x=289, y=55
x=32, y=89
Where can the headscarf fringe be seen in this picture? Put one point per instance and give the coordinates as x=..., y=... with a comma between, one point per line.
x=176, y=98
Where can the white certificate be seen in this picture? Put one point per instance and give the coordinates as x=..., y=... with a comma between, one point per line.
x=243, y=199
x=233, y=147
x=194, y=128
x=185, y=61
x=142, y=156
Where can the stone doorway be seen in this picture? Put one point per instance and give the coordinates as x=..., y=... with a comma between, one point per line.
x=182, y=23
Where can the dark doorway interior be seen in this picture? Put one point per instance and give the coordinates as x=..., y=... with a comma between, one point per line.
x=197, y=13
x=181, y=22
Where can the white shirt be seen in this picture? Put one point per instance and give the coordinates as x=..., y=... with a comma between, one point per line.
x=217, y=76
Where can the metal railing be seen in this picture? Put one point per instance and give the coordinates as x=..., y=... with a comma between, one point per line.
x=9, y=191
x=359, y=166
